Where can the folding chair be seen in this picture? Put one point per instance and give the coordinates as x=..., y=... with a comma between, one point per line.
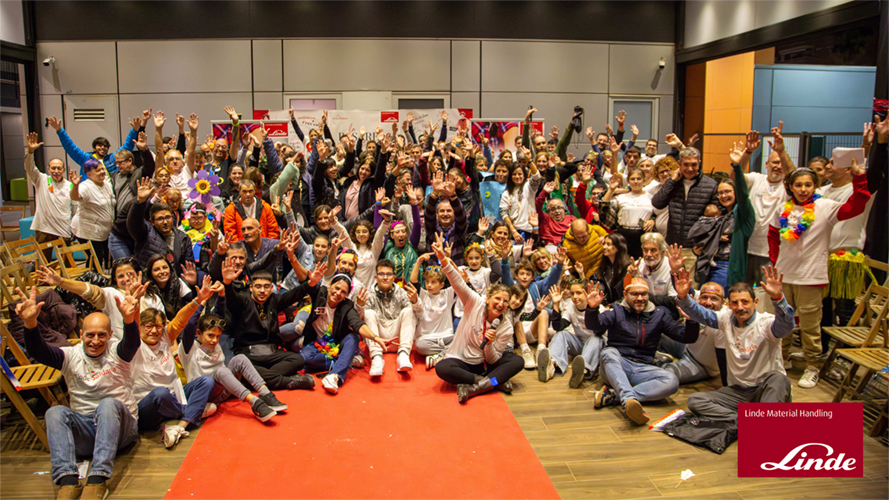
x=68, y=266
x=870, y=313
x=5, y=228
x=29, y=376
x=27, y=251
x=12, y=277
x=55, y=263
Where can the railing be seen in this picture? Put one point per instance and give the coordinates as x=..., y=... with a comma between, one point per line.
x=801, y=147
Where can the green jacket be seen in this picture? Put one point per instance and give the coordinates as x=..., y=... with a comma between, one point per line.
x=745, y=219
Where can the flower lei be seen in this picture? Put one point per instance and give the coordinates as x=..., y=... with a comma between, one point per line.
x=792, y=233
x=326, y=345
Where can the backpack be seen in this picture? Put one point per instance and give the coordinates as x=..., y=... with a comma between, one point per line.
x=715, y=435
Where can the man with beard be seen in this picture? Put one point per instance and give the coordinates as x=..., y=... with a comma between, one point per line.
x=158, y=235
x=706, y=357
x=224, y=155
x=627, y=364
x=444, y=214
x=583, y=242
x=554, y=223
x=654, y=268
x=753, y=340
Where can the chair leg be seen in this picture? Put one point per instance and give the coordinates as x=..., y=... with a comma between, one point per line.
x=845, y=384
x=61, y=397
x=880, y=424
x=859, y=389
x=23, y=409
x=831, y=356
x=48, y=396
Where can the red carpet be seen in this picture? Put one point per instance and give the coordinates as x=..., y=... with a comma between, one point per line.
x=405, y=436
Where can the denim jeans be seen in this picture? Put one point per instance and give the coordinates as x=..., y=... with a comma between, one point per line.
x=632, y=380
x=566, y=344
x=722, y=404
x=719, y=273
x=318, y=362
x=288, y=333
x=160, y=404
x=120, y=247
x=99, y=435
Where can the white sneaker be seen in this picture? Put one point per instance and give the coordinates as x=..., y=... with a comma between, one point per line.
x=404, y=362
x=376, y=366
x=797, y=356
x=331, y=382
x=172, y=434
x=546, y=367
x=528, y=356
x=809, y=378
x=788, y=365
x=836, y=374
x=209, y=409
x=358, y=361
x=433, y=360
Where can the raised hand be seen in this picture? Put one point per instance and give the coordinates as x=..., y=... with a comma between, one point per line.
x=142, y=141
x=144, y=189
x=323, y=118
x=554, y=132
x=193, y=122
x=778, y=144
x=230, y=111
x=180, y=121
x=881, y=129
x=263, y=131
x=735, y=153
x=555, y=293
x=483, y=224
x=159, y=119
x=206, y=290
x=318, y=273
x=218, y=288
x=633, y=268
x=55, y=123
x=464, y=274
x=752, y=142
x=334, y=212
x=222, y=246
x=146, y=115
x=675, y=258
x=361, y=297
x=674, y=141
x=578, y=266
x=561, y=255
x=129, y=306
x=136, y=123
x=613, y=145
x=681, y=282
x=590, y=133
x=549, y=187
x=189, y=274
x=621, y=118
x=543, y=302
x=74, y=177
x=533, y=219
x=858, y=169
x=692, y=141
x=33, y=144
x=444, y=118
x=48, y=276
x=529, y=113
x=386, y=215
x=291, y=113
x=594, y=297
x=28, y=309
x=438, y=248
x=528, y=248
x=634, y=130
x=229, y=271
x=615, y=182
x=411, y=293
x=773, y=284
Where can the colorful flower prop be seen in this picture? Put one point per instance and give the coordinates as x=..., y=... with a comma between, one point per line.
x=792, y=227
x=326, y=345
x=204, y=187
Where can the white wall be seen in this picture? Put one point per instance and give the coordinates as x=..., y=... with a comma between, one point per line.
x=711, y=20
x=496, y=79
x=12, y=24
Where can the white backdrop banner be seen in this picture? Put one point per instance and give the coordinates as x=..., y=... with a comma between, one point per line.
x=341, y=121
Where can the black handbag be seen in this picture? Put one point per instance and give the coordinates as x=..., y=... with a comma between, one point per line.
x=715, y=435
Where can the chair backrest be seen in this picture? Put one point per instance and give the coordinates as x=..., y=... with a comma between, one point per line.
x=27, y=251
x=56, y=245
x=880, y=266
x=876, y=307
x=12, y=276
x=12, y=227
x=8, y=341
x=66, y=257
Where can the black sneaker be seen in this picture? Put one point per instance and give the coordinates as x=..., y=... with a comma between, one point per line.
x=262, y=410
x=603, y=397
x=273, y=402
x=301, y=382
x=577, y=371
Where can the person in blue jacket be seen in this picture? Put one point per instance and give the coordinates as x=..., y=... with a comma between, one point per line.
x=101, y=147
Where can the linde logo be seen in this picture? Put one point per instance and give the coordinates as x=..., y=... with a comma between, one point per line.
x=800, y=440
x=389, y=116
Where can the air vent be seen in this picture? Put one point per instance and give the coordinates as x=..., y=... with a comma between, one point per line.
x=89, y=115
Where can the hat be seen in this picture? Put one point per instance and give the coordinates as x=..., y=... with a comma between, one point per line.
x=637, y=282
x=713, y=289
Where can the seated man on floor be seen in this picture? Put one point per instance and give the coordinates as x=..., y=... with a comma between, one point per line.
x=572, y=337
x=627, y=364
x=706, y=357
x=754, y=361
x=255, y=312
x=103, y=412
x=389, y=315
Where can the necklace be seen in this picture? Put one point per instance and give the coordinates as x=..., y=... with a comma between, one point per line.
x=793, y=226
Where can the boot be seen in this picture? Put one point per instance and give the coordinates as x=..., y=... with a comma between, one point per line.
x=466, y=391
x=505, y=387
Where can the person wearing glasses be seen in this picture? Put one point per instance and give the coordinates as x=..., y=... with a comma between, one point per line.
x=389, y=315
x=159, y=233
x=627, y=364
x=556, y=221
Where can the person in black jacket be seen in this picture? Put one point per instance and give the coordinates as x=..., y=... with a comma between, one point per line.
x=687, y=193
x=331, y=336
x=256, y=314
x=131, y=167
x=151, y=236
x=634, y=332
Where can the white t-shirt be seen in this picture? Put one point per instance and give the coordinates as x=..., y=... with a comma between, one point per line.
x=155, y=366
x=754, y=351
x=688, y=183
x=767, y=199
x=53, y=214
x=325, y=318
x=180, y=181
x=519, y=206
x=704, y=349
x=95, y=212
x=804, y=261
x=199, y=362
x=113, y=312
x=90, y=380
x=662, y=215
x=847, y=234
x=433, y=314
x=632, y=207
x=529, y=307
x=660, y=282
x=480, y=281
x=576, y=318
x=474, y=326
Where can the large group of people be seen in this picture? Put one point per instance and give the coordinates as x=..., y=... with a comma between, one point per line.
x=253, y=266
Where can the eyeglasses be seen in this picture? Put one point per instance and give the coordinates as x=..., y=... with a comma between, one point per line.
x=385, y=275
x=557, y=209
x=215, y=323
x=153, y=326
x=637, y=294
x=167, y=218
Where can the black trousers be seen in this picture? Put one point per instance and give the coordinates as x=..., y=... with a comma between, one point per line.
x=456, y=371
x=277, y=368
x=634, y=241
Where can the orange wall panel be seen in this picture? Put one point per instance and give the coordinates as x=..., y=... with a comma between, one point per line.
x=728, y=106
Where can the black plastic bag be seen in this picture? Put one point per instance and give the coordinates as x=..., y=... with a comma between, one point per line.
x=715, y=435
x=83, y=307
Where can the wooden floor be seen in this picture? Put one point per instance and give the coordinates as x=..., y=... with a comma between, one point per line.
x=587, y=453
x=591, y=453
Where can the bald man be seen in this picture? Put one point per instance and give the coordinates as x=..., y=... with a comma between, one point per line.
x=582, y=243
x=706, y=357
x=103, y=413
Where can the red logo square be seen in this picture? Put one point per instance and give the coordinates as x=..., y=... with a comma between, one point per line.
x=389, y=116
x=800, y=440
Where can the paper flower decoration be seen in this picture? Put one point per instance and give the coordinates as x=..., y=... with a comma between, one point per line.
x=204, y=187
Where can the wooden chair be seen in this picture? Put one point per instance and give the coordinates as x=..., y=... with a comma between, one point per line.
x=68, y=265
x=865, y=329
x=873, y=360
x=4, y=228
x=56, y=263
x=27, y=251
x=30, y=376
x=11, y=276
x=880, y=266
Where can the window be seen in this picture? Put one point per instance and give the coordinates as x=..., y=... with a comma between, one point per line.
x=641, y=112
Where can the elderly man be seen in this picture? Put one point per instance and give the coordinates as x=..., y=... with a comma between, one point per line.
x=583, y=244
x=686, y=194
x=654, y=268
x=706, y=357
x=627, y=364
x=753, y=340
x=52, y=193
x=103, y=411
x=444, y=214
x=223, y=154
x=159, y=234
x=554, y=223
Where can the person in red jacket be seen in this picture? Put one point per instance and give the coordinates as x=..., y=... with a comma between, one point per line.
x=249, y=206
x=556, y=221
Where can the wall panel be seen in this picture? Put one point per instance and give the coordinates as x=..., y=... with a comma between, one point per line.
x=544, y=67
x=633, y=69
x=80, y=68
x=267, y=66
x=383, y=65
x=268, y=100
x=465, y=65
x=184, y=66
x=471, y=100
